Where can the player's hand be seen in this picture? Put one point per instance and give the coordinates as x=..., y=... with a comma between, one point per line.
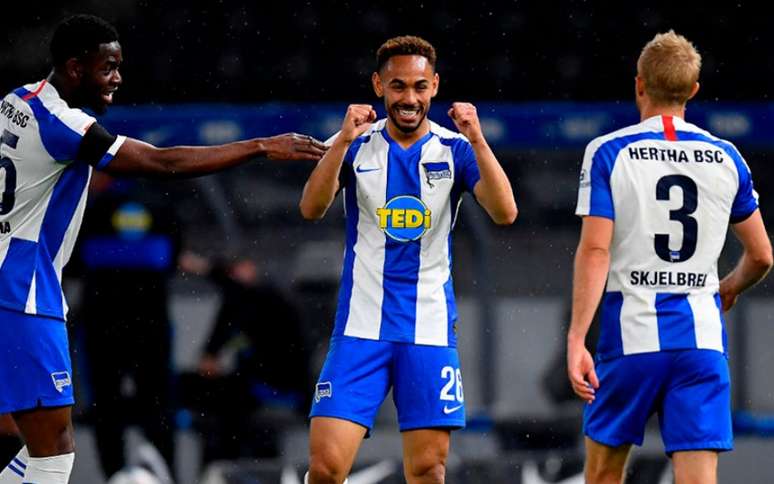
x=728, y=297
x=356, y=122
x=580, y=370
x=465, y=118
x=293, y=146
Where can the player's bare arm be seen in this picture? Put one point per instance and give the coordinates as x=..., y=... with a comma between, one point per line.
x=139, y=158
x=592, y=261
x=493, y=191
x=755, y=263
x=323, y=183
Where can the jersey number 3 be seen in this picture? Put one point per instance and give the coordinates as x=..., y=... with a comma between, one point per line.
x=9, y=192
x=682, y=215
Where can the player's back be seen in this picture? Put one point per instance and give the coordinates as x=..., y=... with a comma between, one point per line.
x=43, y=196
x=671, y=189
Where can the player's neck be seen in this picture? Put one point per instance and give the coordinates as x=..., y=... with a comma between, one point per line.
x=58, y=81
x=650, y=111
x=407, y=139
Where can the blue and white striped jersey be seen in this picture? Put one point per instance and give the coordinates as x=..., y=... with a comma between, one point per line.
x=43, y=196
x=401, y=205
x=672, y=189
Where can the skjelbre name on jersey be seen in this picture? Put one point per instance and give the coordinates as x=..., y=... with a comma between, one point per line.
x=667, y=278
x=675, y=155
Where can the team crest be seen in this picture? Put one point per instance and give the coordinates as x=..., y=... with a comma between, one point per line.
x=436, y=171
x=324, y=389
x=61, y=380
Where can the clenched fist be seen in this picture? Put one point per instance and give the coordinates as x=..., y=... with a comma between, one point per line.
x=465, y=118
x=357, y=121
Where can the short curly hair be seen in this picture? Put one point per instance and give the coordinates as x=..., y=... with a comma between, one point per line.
x=405, y=45
x=80, y=35
x=669, y=64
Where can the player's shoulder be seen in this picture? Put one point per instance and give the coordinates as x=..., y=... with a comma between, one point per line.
x=43, y=100
x=617, y=135
x=695, y=133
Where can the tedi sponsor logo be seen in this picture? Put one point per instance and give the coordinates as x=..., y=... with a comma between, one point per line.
x=404, y=218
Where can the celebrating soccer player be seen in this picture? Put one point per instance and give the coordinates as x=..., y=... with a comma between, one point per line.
x=656, y=200
x=47, y=151
x=402, y=179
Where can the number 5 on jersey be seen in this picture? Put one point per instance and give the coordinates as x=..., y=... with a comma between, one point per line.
x=8, y=199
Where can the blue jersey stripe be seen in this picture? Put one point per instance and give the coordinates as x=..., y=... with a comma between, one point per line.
x=16, y=272
x=61, y=208
x=19, y=463
x=401, y=259
x=676, y=328
x=745, y=202
x=719, y=305
x=349, y=183
x=61, y=142
x=610, y=343
x=602, y=167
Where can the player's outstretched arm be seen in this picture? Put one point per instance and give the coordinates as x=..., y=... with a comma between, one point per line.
x=323, y=183
x=139, y=158
x=755, y=263
x=493, y=191
x=592, y=261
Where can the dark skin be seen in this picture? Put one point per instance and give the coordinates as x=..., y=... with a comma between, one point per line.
x=91, y=82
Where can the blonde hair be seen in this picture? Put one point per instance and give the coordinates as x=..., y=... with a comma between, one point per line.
x=669, y=65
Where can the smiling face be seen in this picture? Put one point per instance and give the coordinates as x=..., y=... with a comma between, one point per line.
x=99, y=77
x=407, y=83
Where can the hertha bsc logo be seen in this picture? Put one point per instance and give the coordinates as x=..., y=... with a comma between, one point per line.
x=324, y=390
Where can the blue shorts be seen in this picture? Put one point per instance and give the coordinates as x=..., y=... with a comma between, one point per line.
x=690, y=391
x=358, y=373
x=35, y=369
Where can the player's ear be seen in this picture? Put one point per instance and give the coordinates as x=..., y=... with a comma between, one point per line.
x=639, y=86
x=436, y=81
x=694, y=90
x=74, y=68
x=376, y=81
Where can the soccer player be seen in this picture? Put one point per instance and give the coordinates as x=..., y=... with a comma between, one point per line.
x=47, y=151
x=402, y=179
x=656, y=200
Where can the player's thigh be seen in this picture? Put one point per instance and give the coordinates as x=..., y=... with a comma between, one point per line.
x=425, y=451
x=695, y=467
x=36, y=370
x=46, y=431
x=605, y=463
x=354, y=380
x=628, y=394
x=696, y=412
x=333, y=443
x=427, y=387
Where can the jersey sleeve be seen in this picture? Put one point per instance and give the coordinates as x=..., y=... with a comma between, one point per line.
x=61, y=129
x=98, y=146
x=465, y=164
x=595, y=196
x=746, y=199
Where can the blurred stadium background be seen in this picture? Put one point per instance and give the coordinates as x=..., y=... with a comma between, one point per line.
x=546, y=79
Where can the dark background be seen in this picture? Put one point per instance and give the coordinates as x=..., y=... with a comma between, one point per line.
x=228, y=51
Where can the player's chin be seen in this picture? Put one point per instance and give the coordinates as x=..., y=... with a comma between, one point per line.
x=408, y=126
